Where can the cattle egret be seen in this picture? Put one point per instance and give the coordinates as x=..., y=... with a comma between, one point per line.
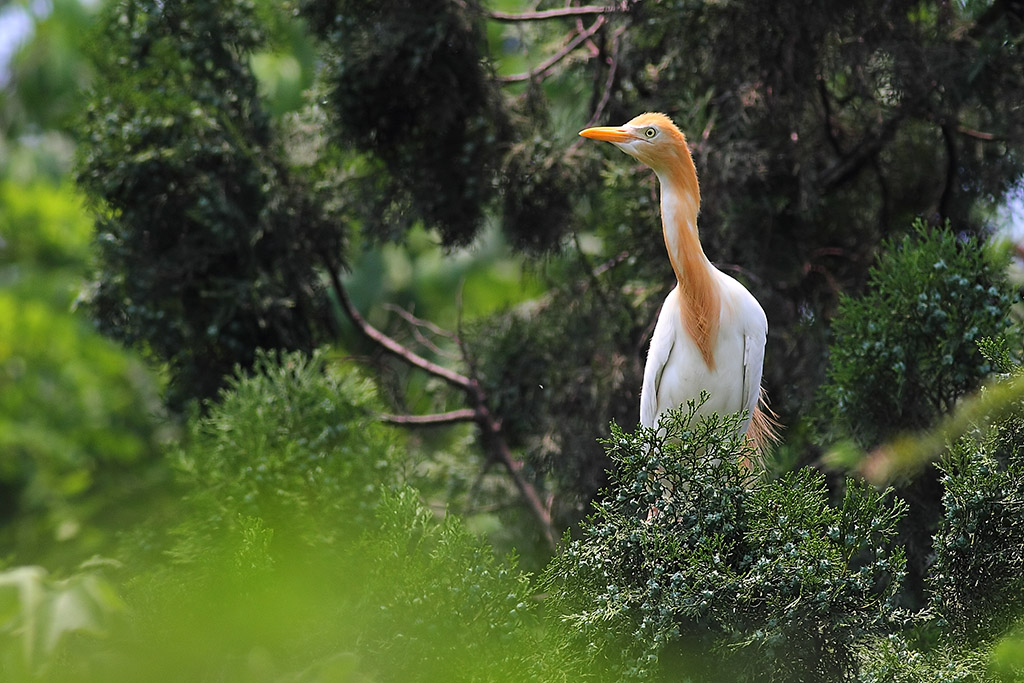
x=711, y=331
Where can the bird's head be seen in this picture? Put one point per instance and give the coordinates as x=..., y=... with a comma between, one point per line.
x=650, y=138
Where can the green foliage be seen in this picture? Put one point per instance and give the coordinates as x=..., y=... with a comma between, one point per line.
x=552, y=409
x=407, y=598
x=39, y=615
x=77, y=430
x=537, y=190
x=689, y=566
x=47, y=74
x=291, y=557
x=75, y=420
x=280, y=560
x=345, y=572
x=1000, y=354
x=441, y=606
x=43, y=225
x=906, y=350
x=970, y=630
x=892, y=659
x=626, y=216
x=977, y=581
x=404, y=597
x=409, y=84
x=286, y=64
x=1006, y=663
x=207, y=243
x=294, y=445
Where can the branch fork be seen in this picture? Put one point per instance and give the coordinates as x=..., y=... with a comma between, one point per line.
x=493, y=438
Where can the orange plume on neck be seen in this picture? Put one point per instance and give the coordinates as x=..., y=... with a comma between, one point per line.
x=653, y=139
x=699, y=300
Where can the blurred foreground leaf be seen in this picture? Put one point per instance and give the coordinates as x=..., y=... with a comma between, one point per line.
x=908, y=453
x=38, y=614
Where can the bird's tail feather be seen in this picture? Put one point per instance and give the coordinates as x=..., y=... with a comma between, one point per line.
x=764, y=428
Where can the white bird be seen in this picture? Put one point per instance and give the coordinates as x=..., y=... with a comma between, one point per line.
x=711, y=331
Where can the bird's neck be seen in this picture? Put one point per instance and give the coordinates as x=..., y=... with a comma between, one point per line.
x=699, y=299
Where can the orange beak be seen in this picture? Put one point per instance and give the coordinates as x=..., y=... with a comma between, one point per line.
x=608, y=134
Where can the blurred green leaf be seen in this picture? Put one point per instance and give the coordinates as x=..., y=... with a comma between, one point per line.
x=43, y=226
x=40, y=614
x=49, y=72
x=76, y=416
x=1007, y=660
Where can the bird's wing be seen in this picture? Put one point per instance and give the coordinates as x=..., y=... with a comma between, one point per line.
x=663, y=341
x=653, y=372
x=744, y=315
x=755, y=334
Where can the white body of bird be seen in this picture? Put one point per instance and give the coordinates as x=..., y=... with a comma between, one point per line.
x=711, y=332
x=676, y=372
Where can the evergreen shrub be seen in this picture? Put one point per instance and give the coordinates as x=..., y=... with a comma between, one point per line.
x=690, y=565
x=905, y=350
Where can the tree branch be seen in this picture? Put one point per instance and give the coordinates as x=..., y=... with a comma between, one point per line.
x=980, y=135
x=494, y=440
x=544, y=66
x=605, y=95
x=434, y=419
x=458, y=380
x=873, y=142
x=951, y=170
x=558, y=13
x=526, y=489
x=418, y=324
x=606, y=92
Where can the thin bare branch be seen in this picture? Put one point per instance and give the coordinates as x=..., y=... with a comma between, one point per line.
x=980, y=135
x=432, y=420
x=527, y=490
x=610, y=263
x=558, y=13
x=551, y=61
x=609, y=82
x=606, y=94
x=456, y=379
x=419, y=324
x=431, y=346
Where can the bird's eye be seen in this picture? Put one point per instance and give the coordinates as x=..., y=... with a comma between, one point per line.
x=650, y=133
